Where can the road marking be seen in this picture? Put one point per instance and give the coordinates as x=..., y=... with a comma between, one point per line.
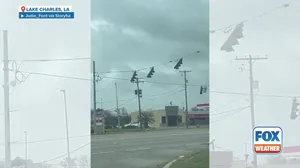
x=145, y=136
x=98, y=153
x=137, y=149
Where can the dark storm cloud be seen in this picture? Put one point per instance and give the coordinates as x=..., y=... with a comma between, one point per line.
x=172, y=19
x=147, y=33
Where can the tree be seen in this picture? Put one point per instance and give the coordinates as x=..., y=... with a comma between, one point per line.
x=124, y=111
x=147, y=118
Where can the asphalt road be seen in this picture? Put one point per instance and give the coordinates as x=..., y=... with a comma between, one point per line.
x=145, y=149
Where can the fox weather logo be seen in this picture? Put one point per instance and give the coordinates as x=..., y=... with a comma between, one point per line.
x=45, y=12
x=267, y=140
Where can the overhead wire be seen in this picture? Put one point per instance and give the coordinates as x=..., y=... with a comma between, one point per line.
x=127, y=102
x=50, y=75
x=230, y=27
x=258, y=95
x=24, y=77
x=149, y=67
x=145, y=97
x=227, y=112
x=154, y=82
x=50, y=140
x=61, y=156
x=226, y=105
x=53, y=60
x=230, y=115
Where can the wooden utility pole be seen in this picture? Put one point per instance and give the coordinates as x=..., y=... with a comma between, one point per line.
x=251, y=60
x=186, y=98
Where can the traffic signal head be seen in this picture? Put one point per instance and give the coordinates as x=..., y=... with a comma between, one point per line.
x=233, y=38
x=203, y=89
x=178, y=64
x=151, y=73
x=295, y=109
x=138, y=92
x=134, y=77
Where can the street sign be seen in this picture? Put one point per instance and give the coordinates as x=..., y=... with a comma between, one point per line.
x=99, y=121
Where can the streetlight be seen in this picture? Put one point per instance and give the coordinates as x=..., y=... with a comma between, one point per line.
x=117, y=101
x=67, y=128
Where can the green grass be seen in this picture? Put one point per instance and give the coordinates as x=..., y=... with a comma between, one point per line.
x=195, y=160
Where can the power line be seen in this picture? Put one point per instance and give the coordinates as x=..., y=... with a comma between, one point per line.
x=154, y=82
x=166, y=94
x=61, y=156
x=150, y=96
x=51, y=75
x=52, y=140
x=226, y=105
x=230, y=115
x=247, y=94
x=228, y=28
x=53, y=60
x=146, y=68
x=229, y=111
x=127, y=102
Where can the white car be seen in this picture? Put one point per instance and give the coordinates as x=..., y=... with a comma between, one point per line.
x=135, y=124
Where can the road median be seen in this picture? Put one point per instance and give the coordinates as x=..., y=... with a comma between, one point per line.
x=198, y=159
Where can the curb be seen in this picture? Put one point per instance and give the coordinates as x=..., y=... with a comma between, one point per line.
x=170, y=164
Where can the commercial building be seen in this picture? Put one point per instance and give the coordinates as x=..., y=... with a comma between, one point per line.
x=173, y=116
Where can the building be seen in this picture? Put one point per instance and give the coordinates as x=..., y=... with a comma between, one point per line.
x=172, y=116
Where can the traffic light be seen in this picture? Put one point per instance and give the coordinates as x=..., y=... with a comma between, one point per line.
x=233, y=38
x=295, y=109
x=151, y=73
x=134, y=77
x=203, y=89
x=138, y=92
x=178, y=64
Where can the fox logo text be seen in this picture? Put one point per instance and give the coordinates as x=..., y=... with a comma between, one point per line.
x=267, y=140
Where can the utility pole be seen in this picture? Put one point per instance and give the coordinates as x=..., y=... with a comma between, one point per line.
x=67, y=129
x=246, y=155
x=26, y=145
x=186, y=97
x=117, y=109
x=101, y=102
x=251, y=61
x=95, y=96
x=139, y=100
x=6, y=101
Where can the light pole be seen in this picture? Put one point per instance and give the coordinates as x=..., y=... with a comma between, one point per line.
x=67, y=128
x=6, y=101
x=26, y=153
x=117, y=101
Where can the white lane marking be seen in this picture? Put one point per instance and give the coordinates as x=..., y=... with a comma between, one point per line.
x=98, y=153
x=141, y=137
x=137, y=149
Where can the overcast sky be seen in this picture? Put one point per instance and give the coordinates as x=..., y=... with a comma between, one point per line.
x=275, y=34
x=132, y=34
x=38, y=101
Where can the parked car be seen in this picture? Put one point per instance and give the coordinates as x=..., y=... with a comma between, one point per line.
x=109, y=127
x=132, y=125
